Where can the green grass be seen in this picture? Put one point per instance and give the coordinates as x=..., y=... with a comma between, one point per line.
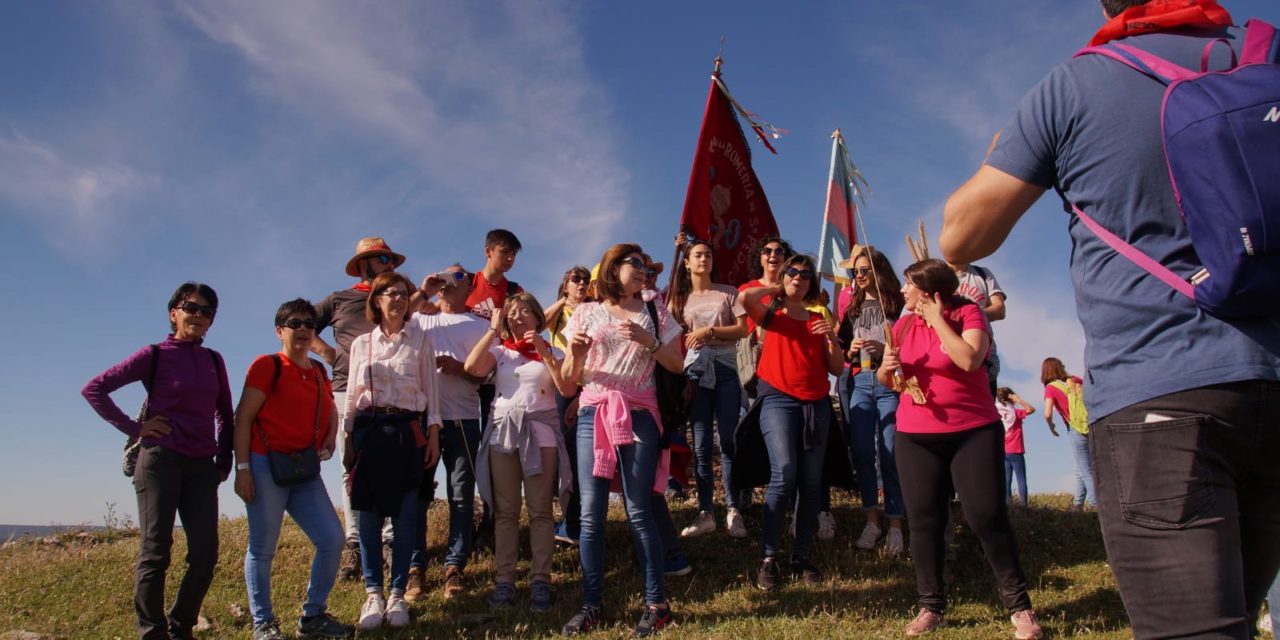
x=83, y=587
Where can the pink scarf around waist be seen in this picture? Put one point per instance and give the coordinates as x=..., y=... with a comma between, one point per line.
x=613, y=429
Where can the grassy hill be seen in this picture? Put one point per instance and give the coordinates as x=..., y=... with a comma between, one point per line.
x=80, y=585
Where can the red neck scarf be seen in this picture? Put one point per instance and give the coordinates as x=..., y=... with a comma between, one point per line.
x=524, y=348
x=1159, y=15
x=362, y=286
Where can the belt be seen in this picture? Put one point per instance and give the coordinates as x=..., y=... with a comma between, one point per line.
x=390, y=411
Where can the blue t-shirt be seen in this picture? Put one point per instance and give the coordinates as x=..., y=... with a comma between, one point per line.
x=1091, y=129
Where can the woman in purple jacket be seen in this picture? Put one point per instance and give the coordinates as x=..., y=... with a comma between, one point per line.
x=185, y=453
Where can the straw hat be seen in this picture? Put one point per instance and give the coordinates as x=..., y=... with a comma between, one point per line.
x=368, y=248
x=848, y=263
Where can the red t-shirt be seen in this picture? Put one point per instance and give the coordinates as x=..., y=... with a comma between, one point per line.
x=794, y=358
x=289, y=414
x=1013, y=442
x=487, y=297
x=955, y=400
x=1060, y=403
x=751, y=325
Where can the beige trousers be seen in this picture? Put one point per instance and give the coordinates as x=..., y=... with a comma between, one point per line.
x=508, y=475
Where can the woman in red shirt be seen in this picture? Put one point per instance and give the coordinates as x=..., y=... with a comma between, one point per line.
x=953, y=439
x=801, y=350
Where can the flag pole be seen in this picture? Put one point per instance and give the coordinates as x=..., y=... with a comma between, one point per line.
x=675, y=252
x=822, y=239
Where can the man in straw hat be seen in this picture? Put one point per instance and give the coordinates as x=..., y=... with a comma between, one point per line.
x=344, y=311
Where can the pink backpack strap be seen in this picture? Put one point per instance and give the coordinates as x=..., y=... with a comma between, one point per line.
x=1208, y=51
x=1152, y=65
x=1259, y=41
x=1145, y=262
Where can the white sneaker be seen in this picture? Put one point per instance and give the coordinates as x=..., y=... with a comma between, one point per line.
x=893, y=542
x=397, y=610
x=371, y=612
x=870, y=534
x=735, y=524
x=826, y=525
x=704, y=523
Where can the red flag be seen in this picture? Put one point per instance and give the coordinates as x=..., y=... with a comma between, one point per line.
x=725, y=202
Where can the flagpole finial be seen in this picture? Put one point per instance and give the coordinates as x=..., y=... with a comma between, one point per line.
x=836, y=134
x=719, y=59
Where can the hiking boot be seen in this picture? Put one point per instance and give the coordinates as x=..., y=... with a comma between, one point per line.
x=562, y=535
x=704, y=523
x=870, y=534
x=807, y=573
x=453, y=585
x=350, y=568
x=371, y=612
x=652, y=620
x=397, y=610
x=324, y=626
x=736, y=524
x=584, y=621
x=417, y=586
x=541, y=596
x=504, y=595
x=893, y=543
x=1025, y=625
x=768, y=574
x=826, y=526
x=267, y=630
x=925, y=622
x=677, y=565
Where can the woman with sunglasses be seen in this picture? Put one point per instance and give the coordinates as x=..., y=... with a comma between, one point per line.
x=391, y=383
x=185, y=432
x=713, y=320
x=872, y=407
x=287, y=406
x=800, y=350
x=614, y=346
x=954, y=439
x=572, y=292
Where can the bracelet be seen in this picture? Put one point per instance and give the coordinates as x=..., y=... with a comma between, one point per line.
x=656, y=345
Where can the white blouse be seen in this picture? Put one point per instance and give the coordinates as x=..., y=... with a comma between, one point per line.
x=392, y=371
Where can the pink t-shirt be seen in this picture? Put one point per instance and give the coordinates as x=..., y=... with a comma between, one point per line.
x=1012, y=415
x=1060, y=403
x=956, y=400
x=614, y=362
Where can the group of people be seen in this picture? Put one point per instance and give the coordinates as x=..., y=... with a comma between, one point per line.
x=526, y=405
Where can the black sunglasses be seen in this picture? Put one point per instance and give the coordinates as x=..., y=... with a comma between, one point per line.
x=770, y=251
x=799, y=274
x=577, y=279
x=295, y=323
x=192, y=308
x=862, y=271
x=634, y=262
x=382, y=258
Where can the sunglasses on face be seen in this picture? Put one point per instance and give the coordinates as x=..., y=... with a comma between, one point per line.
x=192, y=308
x=382, y=259
x=298, y=323
x=635, y=262
x=770, y=251
x=577, y=279
x=862, y=272
x=650, y=272
x=799, y=274
x=395, y=294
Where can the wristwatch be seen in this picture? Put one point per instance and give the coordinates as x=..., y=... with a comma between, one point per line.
x=242, y=466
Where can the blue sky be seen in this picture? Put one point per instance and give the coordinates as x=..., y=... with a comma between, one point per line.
x=249, y=144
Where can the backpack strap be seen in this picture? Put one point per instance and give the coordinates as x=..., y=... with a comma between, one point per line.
x=1260, y=41
x=1152, y=65
x=155, y=363
x=512, y=288
x=1142, y=260
x=275, y=375
x=770, y=311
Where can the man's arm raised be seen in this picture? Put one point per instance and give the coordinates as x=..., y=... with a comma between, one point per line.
x=980, y=214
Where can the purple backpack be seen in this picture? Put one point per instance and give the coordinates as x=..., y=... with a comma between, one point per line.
x=1221, y=134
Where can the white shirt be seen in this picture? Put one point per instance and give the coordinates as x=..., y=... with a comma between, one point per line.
x=454, y=335
x=402, y=374
x=525, y=383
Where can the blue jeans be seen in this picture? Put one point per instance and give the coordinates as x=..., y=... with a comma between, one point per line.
x=459, y=445
x=1015, y=465
x=403, y=527
x=637, y=465
x=791, y=468
x=309, y=506
x=873, y=422
x=722, y=402
x=1084, y=468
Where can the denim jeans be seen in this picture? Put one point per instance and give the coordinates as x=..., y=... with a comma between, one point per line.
x=1189, y=503
x=793, y=469
x=403, y=526
x=1084, y=468
x=637, y=465
x=459, y=445
x=1015, y=466
x=572, y=511
x=309, y=506
x=723, y=403
x=168, y=485
x=873, y=410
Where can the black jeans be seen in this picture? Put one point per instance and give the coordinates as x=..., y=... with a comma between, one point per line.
x=1189, y=502
x=972, y=461
x=573, y=510
x=169, y=484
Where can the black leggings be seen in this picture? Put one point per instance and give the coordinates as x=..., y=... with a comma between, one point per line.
x=972, y=462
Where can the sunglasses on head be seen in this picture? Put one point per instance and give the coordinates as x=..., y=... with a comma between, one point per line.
x=298, y=323
x=862, y=271
x=770, y=251
x=799, y=274
x=192, y=308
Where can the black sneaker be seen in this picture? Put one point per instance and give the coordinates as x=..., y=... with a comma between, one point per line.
x=652, y=620
x=768, y=575
x=584, y=621
x=324, y=626
x=804, y=570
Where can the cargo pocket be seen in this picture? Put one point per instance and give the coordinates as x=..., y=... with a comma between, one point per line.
x=1162, y=479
